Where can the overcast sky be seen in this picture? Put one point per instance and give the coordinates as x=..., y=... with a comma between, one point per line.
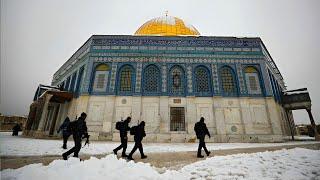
x=38, y=36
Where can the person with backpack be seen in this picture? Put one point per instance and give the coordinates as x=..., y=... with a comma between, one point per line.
x=65, y=132
x=139, y=133
x=79, y=130
x=201, y=131
x=123, y=127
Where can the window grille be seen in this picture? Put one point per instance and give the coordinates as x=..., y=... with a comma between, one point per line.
x=228, y=82
x=253, y=83
x=151, y=79
x=125, y=79
x=252, y=80
x=177, y=119
x=202, y=80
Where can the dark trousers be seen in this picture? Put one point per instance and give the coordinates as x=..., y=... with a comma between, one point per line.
x=65, y=140
x=76, y=148
x=202, y=144
x=15, y=133
x=124, y=143
x=137, y=145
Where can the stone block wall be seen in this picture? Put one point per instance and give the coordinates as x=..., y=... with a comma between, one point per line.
x=244, y=119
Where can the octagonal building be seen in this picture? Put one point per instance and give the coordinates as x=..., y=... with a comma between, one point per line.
x=169, y=76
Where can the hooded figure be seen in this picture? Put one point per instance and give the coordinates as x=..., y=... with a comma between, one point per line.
x=65, y=132
x=139, y=134
x=78, y=129
x=201, y=131
x=124, y=128
x=16, y=129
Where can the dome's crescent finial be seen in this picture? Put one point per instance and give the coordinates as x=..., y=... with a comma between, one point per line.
x=166, y=13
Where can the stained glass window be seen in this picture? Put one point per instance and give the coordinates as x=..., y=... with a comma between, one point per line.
x=177, y=83
x=151, y=79
x=228, y=82
x=202, y=83
x=126, y=79
x=101, y=78
x=252, y=80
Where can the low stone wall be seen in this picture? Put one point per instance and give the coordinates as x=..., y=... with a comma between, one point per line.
x=7, y=122
x=39, y=134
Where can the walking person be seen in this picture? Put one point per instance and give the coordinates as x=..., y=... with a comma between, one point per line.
x=139, y=133
x=16, y=129
x=201, y=131
x=65, y=132
x=79, y=130
x=123, y=127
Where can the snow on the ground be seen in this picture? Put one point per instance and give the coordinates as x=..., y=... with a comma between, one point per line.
x=290, y=164
x=20, y=146
x=304, y=138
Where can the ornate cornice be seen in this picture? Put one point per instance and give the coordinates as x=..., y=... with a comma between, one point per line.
x=176, y=41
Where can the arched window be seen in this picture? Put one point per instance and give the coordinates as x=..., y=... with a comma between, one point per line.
x=101, y=78
x=177, y=81
x=202, y=80
x=126, y=79
x=228, y=83
x=151, y=77
x=252, y=80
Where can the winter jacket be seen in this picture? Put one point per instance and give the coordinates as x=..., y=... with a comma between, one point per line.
x=140, y=133
x=124, y=129
x=201, y=130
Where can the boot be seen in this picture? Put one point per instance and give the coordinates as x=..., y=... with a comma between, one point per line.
x=208, y=153
x=114, y=152
x=200, y=156
x=144, y=157
x=64, y=156
x=130, y=157
x=124, y=155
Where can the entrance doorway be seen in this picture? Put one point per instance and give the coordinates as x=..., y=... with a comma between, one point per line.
x=177, y=119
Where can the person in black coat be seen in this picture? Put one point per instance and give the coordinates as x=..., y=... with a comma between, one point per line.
x=124, y=128
x=65, y=132
x=16, y=129
x=79, y=129
x=139, y=134
x=201, y=131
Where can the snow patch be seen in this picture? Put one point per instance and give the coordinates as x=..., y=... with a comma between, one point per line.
x=292, y=164
x=20, y=146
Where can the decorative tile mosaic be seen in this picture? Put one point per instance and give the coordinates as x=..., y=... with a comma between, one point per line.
x=189, y=78
x=164, y=77
x=113, y=77
x=242, y=86
x=215, y=80
x=138, y=78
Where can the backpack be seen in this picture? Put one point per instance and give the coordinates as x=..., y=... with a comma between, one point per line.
x=133, y=130
x=119, y=125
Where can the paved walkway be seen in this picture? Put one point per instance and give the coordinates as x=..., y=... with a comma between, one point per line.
x=170, y=160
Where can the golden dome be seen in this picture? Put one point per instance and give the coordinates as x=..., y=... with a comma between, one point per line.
x=167, y=26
